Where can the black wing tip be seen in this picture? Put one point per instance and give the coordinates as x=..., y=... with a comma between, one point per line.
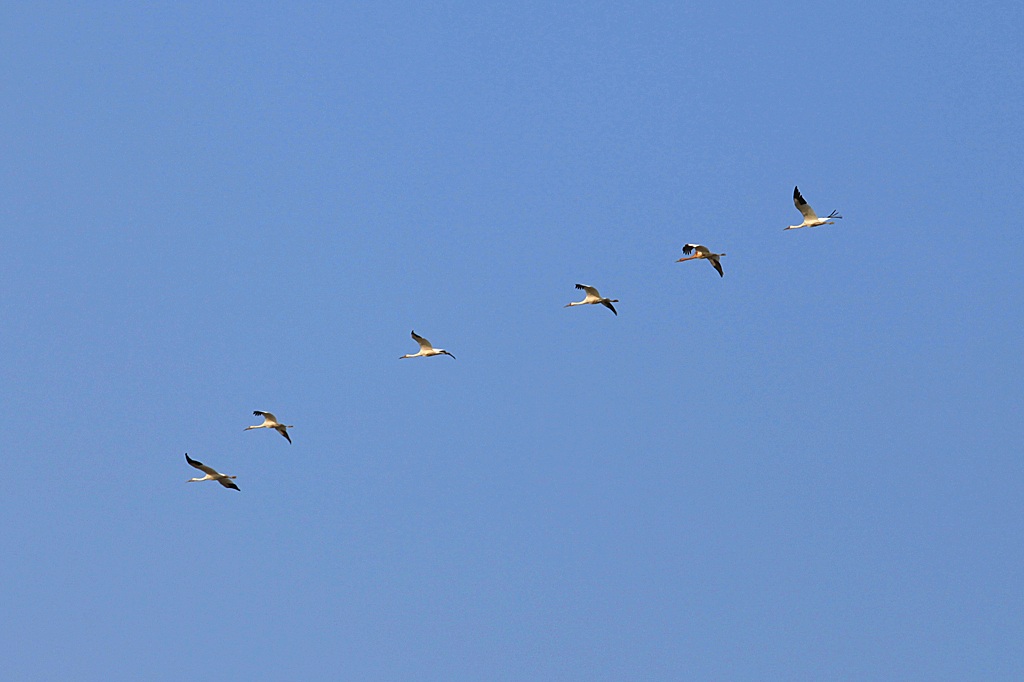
x=257, y=413
x=193, y=462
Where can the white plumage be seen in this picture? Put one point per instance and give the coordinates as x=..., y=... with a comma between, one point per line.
x=593, y=298
x=811, y=218
x=270, y=422
x=211, y=474
x=426, y=350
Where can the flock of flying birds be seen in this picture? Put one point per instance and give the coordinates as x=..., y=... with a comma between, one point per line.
x=427, y=350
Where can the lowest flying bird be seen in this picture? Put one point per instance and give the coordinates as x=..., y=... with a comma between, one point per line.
x=211, y=474
x=700, y=251
x=270, y=422
x=594, y=297
x=426, y=350
x=811, y=218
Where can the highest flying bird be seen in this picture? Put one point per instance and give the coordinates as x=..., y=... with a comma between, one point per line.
x=270, y=422
x=426, y=350
x=811, y=218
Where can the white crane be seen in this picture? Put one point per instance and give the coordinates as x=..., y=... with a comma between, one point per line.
x=426, y=350
x=270, y=422
x=811, y=218
x=594, y=297
x=211, y=474
x=703, y=252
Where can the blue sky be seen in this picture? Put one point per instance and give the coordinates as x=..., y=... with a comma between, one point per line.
x=807, y=469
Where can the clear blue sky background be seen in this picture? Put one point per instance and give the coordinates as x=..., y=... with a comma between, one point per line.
x=809, y=469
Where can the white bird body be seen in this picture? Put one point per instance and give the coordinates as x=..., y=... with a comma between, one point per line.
x=426, y=350
x=811, y=218
x=211, y=474
x=593, y=298
x=270, y=422
x=700, y=251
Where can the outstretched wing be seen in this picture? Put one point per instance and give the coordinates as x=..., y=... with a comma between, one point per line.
x=228, y=483
x=609, y=306
x=424, y=344
x=202, y=467
x=803, y=206
x=284, y=432
x=267, y=417
x=591, y=291
x=717, y=264
x=688, y=249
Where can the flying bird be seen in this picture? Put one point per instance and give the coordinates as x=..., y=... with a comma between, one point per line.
x=270, y=422
x=594, y=297
x=426, y=350
x=211, y=474
x=703, y=252
x=811, y=218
